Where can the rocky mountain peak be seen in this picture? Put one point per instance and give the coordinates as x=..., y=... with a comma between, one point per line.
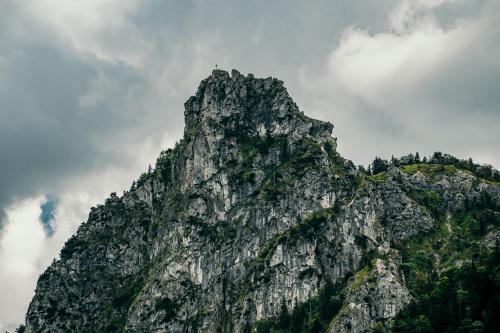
x=254, y=106
x=254, y=223
x=231, y=115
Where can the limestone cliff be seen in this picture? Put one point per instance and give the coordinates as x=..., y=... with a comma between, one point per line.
x=252, y=218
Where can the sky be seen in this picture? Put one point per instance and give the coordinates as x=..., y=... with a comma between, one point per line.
x=91, y=91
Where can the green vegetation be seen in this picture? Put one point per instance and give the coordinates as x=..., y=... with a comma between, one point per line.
x=430, y=200
x=360, y=277
x=464, y=298
x=71, y=246
x=377, y=178
x=218, y=233
x=336, y=161
x=124, y=296
x=115, y=310
x=251, y=145
x=455, y=281
x=436, y=165
x=379, y=165
x=293, y=165
x=432, y=171
x=378, y=327
x=243, y=177
x=168, y=307
x=143, y=178
x=164, y=165
x=313, y=316
x=309, y=226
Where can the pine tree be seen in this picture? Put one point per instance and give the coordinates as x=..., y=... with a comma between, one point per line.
x=379, y=165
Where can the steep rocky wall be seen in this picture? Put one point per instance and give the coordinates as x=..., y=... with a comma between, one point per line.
x=252, y=212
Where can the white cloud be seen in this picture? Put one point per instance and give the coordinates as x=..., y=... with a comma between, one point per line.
x=371, y=65
x=406, y=82
x=25, y=250
x=99, y=27
x=22, y=251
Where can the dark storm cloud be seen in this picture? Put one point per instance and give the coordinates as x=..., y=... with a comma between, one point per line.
x=51, y=124
x=264, y=37
x=62, y=109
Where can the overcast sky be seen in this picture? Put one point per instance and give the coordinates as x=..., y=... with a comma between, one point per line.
x=91, y=91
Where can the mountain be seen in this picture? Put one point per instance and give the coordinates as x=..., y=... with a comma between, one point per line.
x=254, y=223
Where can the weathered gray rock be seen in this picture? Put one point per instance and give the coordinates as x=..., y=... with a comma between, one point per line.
x=374, y=295
x=492, y=240
x=253, y=208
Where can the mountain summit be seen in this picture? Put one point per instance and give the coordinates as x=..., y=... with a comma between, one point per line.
x=254, y=223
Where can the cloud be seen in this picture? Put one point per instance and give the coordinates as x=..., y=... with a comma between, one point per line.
x=408, y=14
x=72, y=123
x=21, y=248
x=26, y=249
x=62, y=112
x=96, y=26
x=430, y=85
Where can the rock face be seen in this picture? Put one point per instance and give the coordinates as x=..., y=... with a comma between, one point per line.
x=251, y=215
x=373, y=296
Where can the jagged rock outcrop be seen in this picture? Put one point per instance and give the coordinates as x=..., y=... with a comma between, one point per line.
x=252, y=213
x=374, y=295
